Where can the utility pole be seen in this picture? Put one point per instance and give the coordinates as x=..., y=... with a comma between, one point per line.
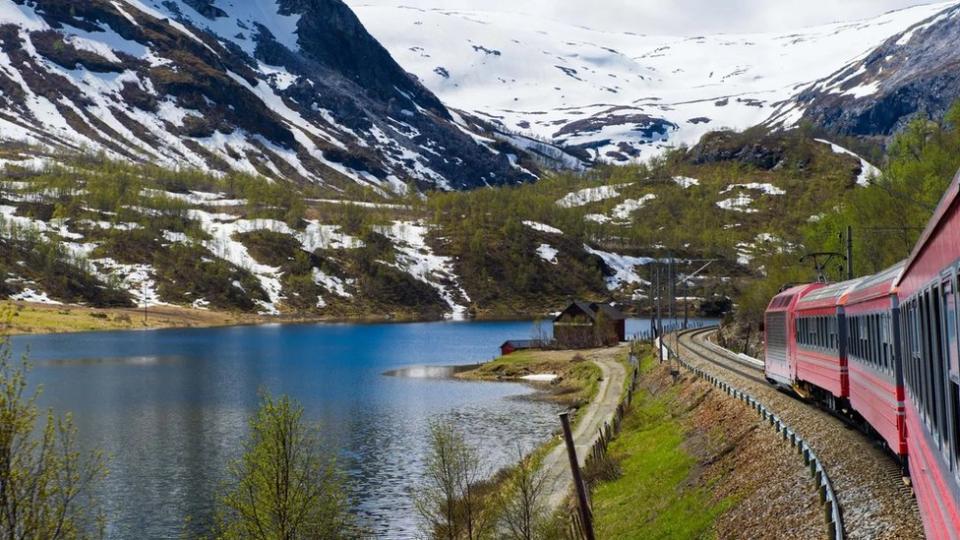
x=670, y=285
x=849, y=252
x=659, y=304
x=686, y=304
x=653, y=310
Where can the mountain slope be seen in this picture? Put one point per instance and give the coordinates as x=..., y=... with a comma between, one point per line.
x=912, y=72
x=293, y=89
x=616, y=96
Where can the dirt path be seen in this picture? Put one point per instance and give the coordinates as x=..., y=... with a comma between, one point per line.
x=591, y=418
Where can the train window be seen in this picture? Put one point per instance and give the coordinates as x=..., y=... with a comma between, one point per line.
x=923, y=319
x=875, y=341
x=950, y=330
x=887, y=342
x=939, y=363
x=941, y=371
x=950, y=361
x=819, y=336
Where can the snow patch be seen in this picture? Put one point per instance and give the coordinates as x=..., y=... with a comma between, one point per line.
x=587, y=196
x=867, y=171
x=417, y=258
x=547, y=253
x=542, y=227
x=623, y=266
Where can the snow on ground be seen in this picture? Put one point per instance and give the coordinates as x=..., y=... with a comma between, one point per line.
x=547, y=253
x=542, y=227
x=319, y=236
x=548, y=79
x=590, y=195
x=540, y=377
x=137, y=279
x=196, y=198
x=767, y=189
x=624, y=267
x=597, y=218
x=623, y=210
x=740, y=203
x=685, y=181
x=745, y=253
x=222, y=228
x=31, y=295
x=867, y=171
x=417, y=258
x=363, y=204
x=331, y=283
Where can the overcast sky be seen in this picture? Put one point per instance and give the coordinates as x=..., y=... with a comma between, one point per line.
x=683, y=17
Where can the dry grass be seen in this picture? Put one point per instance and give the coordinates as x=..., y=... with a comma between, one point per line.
x=30, y=318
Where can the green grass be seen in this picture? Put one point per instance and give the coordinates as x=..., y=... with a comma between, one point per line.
x=580, y=378
x=654, y=498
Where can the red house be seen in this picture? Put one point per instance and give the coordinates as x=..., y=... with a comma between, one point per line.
x=514, y=345
x=589, y=324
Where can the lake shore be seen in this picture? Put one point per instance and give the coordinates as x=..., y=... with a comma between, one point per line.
x=23, y=318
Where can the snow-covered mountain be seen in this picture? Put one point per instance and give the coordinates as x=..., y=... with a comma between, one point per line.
x=914, y=71
x=292, y=89
x=618, y=96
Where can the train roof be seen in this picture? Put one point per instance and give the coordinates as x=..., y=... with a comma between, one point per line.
x=785, y=300
x=933, y=226
x=877, y=285
x=828, y=296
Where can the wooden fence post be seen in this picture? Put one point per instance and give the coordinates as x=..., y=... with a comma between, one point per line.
x=585, y=517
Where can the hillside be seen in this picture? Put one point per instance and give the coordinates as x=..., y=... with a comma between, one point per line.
x=287, y=89
x=106, y=233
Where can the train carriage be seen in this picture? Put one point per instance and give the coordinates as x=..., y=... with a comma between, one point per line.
x=927, y=294
x=779, y=334
x=821, y=362
x=874, y=365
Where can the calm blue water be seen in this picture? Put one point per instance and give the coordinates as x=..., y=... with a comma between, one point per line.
x=170, y=407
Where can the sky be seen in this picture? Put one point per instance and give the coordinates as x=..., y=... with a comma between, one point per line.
x=678, y=17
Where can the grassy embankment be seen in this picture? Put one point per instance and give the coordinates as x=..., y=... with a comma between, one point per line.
x=654, y=497
x=577, y=378
x=692, y=463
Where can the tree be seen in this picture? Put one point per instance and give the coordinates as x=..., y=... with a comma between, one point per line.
x=523, y=513
x=449, y=501
x=46, y=483
x=284, y=487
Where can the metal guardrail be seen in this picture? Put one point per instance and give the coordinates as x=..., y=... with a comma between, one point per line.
x=828, y=496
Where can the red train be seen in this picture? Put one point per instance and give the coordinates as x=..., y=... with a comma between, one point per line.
x=884, y=349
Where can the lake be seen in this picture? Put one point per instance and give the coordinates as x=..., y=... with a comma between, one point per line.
x=170, y=408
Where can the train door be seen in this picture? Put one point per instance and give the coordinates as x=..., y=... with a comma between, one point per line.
x=951, y=357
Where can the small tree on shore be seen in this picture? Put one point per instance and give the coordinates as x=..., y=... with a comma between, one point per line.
x=284, y=487
x=523, y=512
x=45, y=481
x=450, y=502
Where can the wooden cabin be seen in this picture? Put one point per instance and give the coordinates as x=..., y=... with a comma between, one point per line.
x=515, y=345
x=584, y=325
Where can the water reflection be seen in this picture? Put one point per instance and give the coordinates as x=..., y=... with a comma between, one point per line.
x=171, y=408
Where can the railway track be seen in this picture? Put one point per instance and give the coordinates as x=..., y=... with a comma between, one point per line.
x=730, y=362
x=870, y=491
